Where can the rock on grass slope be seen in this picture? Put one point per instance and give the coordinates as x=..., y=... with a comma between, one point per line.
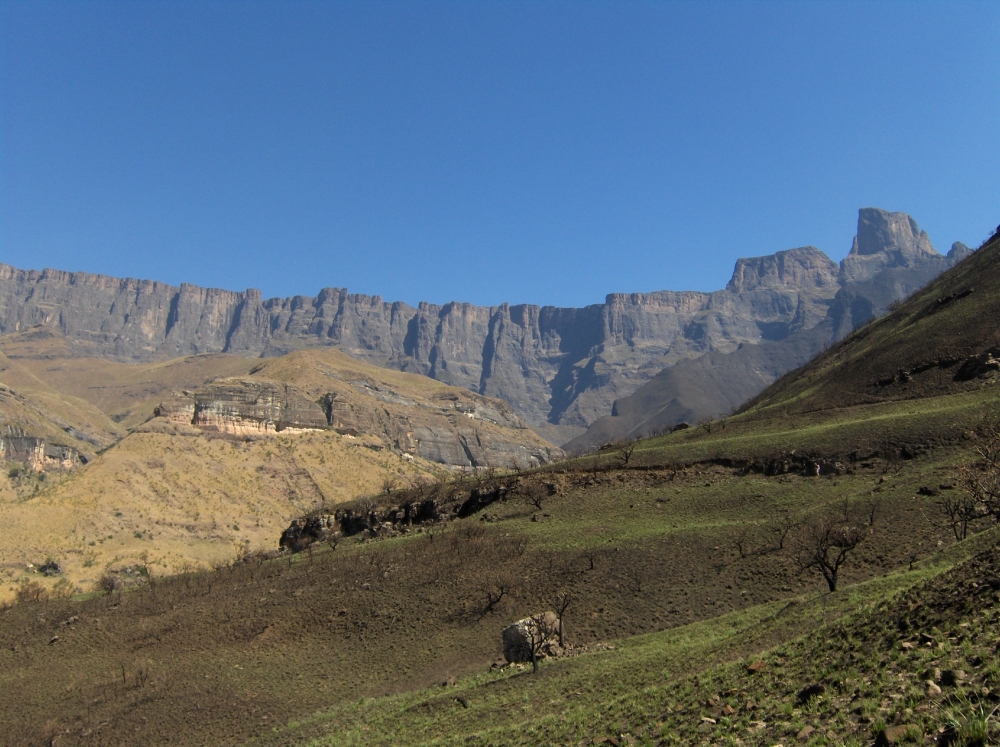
x=903, y=662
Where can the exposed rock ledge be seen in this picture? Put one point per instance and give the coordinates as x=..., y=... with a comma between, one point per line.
x=457, y=433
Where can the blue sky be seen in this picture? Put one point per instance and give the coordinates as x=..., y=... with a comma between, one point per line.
x=540, y=152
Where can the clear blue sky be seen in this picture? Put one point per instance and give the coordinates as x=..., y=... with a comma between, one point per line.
x=541, y=152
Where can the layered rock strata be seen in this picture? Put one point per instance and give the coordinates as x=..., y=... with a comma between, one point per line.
x=440, y=426
x=560, y=366
x=37, y=454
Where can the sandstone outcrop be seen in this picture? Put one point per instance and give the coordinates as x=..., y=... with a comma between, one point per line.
x=37, y=454
x=319, y=389
x=248, y=407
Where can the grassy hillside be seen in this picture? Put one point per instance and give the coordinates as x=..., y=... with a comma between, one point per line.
x=685, y=559
x=167, y=496
x=175, y=499
x=646, y=551
x=853, y=677
x=126, y=393
x=938, y=341
x=30, y=404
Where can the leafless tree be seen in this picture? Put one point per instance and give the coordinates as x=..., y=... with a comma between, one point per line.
x=563, y=601
x=508, y=546
x=981, y=479
x=782, y=527
x=625, y=450
x=829, y=543
x=539, y=631
x=109, y=582
x=960, y=511
x=534, y=494
x=31, y=591
x=742, y=541
x=637, y=575
x=495, y=591
x=873, y=507
x=891, y=462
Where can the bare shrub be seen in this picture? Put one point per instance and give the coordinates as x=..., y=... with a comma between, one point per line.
x=30, y=591
x=873, y=507
x=960, y=511
x=109, y=582
x=63, y=589
x=625, y=451
x=981, y=479
x=782, y=527
x=508, y=546
x=501, y=586
x=534, y=494
x=742, y=541
x=538, y=634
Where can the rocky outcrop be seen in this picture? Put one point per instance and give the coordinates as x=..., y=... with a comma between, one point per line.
x=561, y=366
x=442, y=424
x=535, y=637
x=37, y=454
x=552, y=365
x=885, y=240
x=251, y=407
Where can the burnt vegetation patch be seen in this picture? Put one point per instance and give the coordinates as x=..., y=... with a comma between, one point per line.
x=399, y=592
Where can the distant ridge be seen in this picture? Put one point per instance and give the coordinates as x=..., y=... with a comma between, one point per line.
x=555, y=366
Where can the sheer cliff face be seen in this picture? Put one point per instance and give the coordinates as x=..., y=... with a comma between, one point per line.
x=554, y=365
x=885, y=240
x=557, y=365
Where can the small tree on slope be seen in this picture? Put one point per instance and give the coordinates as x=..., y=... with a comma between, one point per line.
x=828, y=544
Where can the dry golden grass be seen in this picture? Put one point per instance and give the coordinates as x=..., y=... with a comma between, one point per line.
x=126, y=392
x=43, y=410
x=171, y=497
x=178, y=499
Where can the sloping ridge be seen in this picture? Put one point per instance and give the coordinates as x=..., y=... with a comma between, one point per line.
x=717, y=383
x=942, y=339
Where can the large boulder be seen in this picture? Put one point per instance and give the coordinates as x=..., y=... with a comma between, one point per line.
x=540, y=632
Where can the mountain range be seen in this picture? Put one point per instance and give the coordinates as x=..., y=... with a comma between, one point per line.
x=560, y=369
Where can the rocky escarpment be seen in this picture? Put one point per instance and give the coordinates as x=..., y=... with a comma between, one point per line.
x=443, y=425
x=37, y=454
x=553, y=365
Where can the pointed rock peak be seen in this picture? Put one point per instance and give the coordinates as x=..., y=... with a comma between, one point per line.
x=881, y=231
x=805, y=267
x=886, y=241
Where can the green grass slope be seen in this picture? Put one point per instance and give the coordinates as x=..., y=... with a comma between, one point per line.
x=847, y=668
x=225, y=657
x=938, y=341
x=681, y=561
